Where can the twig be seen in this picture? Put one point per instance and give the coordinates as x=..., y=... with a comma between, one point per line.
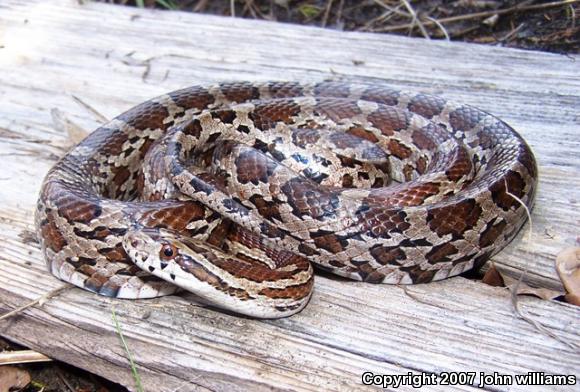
x=391, y=9
x=200, y=6
x=530, y=231
x=511, y=33
x=339, y=12
x=22, y=356
x=413, y=295
x=573, y=16
x=484, y=14
x=98, y=115
x=40, y=300
x=64, y=380
x=443, y=29
x=415, y=20
x=539, y=326
x=384, y=17
x=514, y=291
x=327, y=12
x=133, y=367
x=249, y=7
x=233, y=8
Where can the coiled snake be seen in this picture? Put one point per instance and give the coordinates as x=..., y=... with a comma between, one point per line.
x=231, y=191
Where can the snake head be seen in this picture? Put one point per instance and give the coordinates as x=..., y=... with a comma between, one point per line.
x=152, y=248
x=218, y=277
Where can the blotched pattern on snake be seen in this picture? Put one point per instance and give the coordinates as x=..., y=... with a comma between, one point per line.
x=231, y=191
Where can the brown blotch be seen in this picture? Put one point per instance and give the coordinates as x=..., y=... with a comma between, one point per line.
x=426, y=105
x=389, y=120
x=307, y=250
x=336, y=109
x=247, y=267
x=383, y=94
x=192, y=128
x=76, y=209
x=461, y=166
x=347, y=181
x=440, y=253
x=515, y=185
x=53, y=238
x=414, y=195
x=122, y=174
x=204, y=275
x=147, y=115
x=388, y=255
x=380, y=221
x=86, y=269
x=308, y=199
x=114, y=143
x=527, y=159
x=146, y=146
x=96, y=281
x=268, y=210
x=140, y=186
x=285, y=89
x=422, y=140
x=454, y=219
x=369, y=274
x=296, y=292
x=226, y=116
x=348, y=161
x=329, y=242
x=398, y=149
x=344, y=140
x=491, y=233
x=362, y=133
x=240, y=92
x=332, y=89
x=421, y=165
x=99, y=233
x=219, y=233
x=264, y=115
x=465, y=118
x=419, y=275
x=192, y=97
x=174, y=215
x=116, y=254
x=253, y=166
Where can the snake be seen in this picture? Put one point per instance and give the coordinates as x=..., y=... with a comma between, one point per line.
x=236, y=191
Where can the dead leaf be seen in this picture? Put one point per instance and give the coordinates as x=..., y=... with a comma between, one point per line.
x=494, y=277
x=568, y=267
x=12, y=377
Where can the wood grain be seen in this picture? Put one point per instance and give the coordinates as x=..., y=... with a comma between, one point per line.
x=113, y=57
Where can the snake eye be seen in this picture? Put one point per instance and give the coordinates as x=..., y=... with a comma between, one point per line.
x=167, y=252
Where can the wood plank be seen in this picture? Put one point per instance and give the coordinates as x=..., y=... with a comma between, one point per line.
x=114, y=57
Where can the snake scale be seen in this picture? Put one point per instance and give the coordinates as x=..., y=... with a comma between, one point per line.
x=231, y=191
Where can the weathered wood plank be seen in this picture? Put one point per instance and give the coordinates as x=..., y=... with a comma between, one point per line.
x=114, y=57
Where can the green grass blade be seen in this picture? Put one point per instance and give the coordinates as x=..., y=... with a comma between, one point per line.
x=133, y=368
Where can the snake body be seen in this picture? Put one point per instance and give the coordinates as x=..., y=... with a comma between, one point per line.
x=230, y=191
